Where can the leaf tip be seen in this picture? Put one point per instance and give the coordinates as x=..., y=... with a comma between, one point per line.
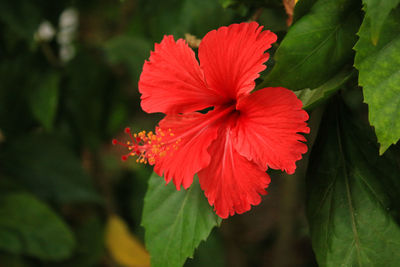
x=382, y=149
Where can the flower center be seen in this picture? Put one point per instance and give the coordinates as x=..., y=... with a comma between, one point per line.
x=147, y=147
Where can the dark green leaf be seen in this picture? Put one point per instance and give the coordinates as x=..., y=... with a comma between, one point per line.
x=317, y=46
x=380, y=78
x=47, y=167
x=312, y=98
x=377, y=12
x=28, y=226
x=43, y=100
x=349, y=209
x=175, y=221
x=302, y=8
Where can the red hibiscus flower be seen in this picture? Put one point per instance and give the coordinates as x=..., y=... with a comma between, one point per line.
x=237, y=135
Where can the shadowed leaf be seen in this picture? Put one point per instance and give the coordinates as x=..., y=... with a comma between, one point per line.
x=349, y=208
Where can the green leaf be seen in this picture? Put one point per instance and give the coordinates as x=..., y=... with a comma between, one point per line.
x=29, y=227
x=380, y=78
x=317, y=46
x=43, y=100
x=175, y=221
x=302, y=8
x=312, y=98
x=376, y=12
x=348, y=206
x=47, y=167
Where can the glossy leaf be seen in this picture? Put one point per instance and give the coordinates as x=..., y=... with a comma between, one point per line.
x=348, y=207
x=48, y=168
x=175, y=221
x=317, y=46
x=29, y=227
x=380, y=78
x=376, y=12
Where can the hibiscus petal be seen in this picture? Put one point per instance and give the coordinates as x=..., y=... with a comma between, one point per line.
x=231, y=182
x=268, y=128
x=172, y=81
x=232, y=57
x=195, y=132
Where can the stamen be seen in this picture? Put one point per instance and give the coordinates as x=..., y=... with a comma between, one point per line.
x=148, y=147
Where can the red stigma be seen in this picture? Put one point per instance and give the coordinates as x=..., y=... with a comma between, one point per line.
x=114, y=141
x=124, y=157
x=127, y=130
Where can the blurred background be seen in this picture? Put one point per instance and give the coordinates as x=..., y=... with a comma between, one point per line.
x=68, y=85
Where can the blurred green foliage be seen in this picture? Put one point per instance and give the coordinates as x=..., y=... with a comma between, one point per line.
x=68, y=85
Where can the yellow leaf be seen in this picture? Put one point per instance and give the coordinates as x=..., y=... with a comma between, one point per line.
x=126, y=249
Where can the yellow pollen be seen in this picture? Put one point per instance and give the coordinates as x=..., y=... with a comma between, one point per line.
x=148, y=147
